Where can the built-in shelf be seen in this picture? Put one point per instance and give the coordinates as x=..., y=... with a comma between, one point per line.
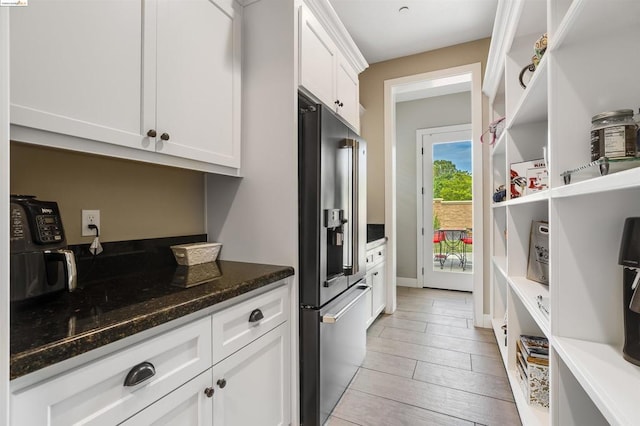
x=532, y=107
x=497, y=323
x=501, y=264
x=583, y=16
x=499, y=146
x=529, y=414
x=499, y=205
x=611, y=382
x=590, y=383
x=530, y=198
x=627, y=179
x=528, y=292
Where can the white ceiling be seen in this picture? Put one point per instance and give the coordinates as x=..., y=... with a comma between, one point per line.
x=381, y=32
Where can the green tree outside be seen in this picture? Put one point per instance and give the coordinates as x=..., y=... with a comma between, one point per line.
x=449, y=183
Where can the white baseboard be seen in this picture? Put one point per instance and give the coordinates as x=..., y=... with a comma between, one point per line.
x=487, y=321
x=406, y=282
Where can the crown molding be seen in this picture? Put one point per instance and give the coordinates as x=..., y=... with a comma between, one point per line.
x=504, y=30
x=324, y=12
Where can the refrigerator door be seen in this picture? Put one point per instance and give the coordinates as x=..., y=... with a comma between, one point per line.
x=324, y=182
x=355, y=257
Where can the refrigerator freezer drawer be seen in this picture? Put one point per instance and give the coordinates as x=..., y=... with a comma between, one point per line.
x=331, y=352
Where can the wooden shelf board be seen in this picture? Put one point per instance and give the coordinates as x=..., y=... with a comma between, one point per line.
x=529, y=415
x=611, y=382
x=532, y=107
x=626, y=179
x=527, y=291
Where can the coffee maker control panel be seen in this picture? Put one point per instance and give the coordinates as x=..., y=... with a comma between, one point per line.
x=49, y=229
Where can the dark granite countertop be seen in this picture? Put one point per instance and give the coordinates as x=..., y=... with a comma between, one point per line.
x=375, y=232
x=106, y=310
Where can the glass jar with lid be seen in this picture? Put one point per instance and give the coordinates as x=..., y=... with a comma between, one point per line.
x=614, y=135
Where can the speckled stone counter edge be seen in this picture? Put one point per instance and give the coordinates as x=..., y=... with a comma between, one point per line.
x=161, y=312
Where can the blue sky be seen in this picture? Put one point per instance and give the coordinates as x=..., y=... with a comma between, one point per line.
x=459, y=153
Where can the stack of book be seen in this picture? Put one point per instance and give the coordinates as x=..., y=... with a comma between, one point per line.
x=532, y=360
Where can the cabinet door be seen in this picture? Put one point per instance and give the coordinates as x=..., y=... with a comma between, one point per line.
x=378, y=288
x=369, y=300
x=347, y=93
x=74, y=71
x=198, y=80
x=317, y=58
x=252, y=386
x=188, y=405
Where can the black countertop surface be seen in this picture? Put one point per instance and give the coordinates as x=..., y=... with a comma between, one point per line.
x=136, y=298
x=375, y=231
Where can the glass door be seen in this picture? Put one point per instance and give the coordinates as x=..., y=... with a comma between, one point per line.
x=447, y=208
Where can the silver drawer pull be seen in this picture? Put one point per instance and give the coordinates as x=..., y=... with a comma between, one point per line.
x=140, y=373
x=256, y=315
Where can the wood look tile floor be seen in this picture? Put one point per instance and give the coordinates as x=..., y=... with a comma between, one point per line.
x=427, y=365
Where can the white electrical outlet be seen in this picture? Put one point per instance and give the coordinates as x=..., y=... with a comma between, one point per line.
x=90, y=217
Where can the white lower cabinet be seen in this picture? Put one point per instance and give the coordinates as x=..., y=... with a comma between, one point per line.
x=252, y=385
x=181, y=377
x=188, y=405
x=376, y=278
x=96, y=394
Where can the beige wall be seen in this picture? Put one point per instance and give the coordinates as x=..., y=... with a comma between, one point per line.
x=372, y=99
x=372, y=123
x=438, y=111
x=136, y=200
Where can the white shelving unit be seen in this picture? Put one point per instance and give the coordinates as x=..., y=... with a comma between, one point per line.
x=591, y=66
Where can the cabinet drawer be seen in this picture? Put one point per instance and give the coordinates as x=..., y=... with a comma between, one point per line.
x=375, y=256
x=95, y=393
x=233, y=328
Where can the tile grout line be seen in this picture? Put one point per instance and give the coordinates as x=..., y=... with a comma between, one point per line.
x=414, y=406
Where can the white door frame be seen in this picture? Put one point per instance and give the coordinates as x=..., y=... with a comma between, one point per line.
x=420, y=238
x=390, y=90
x=4, y=215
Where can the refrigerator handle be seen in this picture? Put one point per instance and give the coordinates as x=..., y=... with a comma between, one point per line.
x=353, y=213
x=332, y=318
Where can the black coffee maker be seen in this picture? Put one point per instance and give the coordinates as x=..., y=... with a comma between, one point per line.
x=630, y=258
x=40, y=263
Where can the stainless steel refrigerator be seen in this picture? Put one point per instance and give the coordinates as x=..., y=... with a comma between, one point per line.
x=332, y=226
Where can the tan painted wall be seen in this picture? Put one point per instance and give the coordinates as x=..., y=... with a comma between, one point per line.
x=372, y=123
x=372, y=99
x=136, y=200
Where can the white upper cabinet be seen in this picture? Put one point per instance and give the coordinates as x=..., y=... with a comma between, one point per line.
x=317, y=58
x=347, y=92
x=155, y=76
x=329, y=61
x=197, y=81
x=76, y=69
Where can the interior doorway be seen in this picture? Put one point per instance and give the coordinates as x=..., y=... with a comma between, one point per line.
x=394, y=88
x=444, y=207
